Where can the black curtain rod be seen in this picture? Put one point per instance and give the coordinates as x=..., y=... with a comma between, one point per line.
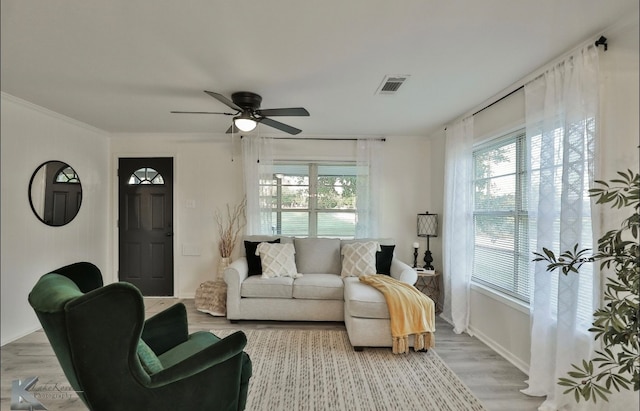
x=324, y=138
x=498, y=100
x=602, y=41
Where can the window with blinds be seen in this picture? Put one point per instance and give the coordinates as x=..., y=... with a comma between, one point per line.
x=312, y=199
x=573, y=168
x=505, y=235
x=501, y=249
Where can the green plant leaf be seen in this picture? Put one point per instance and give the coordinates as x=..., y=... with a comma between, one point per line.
x=616, y=324
x=601, y=391
x=566, y=382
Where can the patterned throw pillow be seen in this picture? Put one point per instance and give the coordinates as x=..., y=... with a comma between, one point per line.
x=278, y=260
x=359, y=258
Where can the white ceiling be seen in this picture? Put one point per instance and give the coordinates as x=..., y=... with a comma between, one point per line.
x=122, y=65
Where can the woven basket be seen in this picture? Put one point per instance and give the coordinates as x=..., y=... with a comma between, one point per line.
x=211, y=298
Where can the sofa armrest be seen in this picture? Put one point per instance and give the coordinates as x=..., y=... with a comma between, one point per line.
x=234, y=275
x=403, y=272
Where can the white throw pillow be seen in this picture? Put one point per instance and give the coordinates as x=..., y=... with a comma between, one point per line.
x=278, y=260
x=359, y=258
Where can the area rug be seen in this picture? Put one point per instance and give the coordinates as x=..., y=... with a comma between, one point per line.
x=319, y=370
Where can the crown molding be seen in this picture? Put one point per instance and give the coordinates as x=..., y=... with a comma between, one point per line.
x=52, y=114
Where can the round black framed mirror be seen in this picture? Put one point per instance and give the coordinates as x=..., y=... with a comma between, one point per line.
x=55, y=193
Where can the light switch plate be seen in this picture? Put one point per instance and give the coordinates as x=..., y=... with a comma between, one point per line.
x=191, y=249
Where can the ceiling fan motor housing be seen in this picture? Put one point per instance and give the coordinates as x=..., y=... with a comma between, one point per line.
x=247, y=100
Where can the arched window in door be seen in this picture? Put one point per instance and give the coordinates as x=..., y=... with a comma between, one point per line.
x=146, y=175
x=67, y=175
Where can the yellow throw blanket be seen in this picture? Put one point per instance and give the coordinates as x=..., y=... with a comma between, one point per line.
x=410, y=312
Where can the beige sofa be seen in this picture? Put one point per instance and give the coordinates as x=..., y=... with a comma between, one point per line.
x=320, y=294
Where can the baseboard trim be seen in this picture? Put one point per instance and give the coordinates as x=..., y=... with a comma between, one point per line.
x=191, y=295
x=17, y=337
x=503, y=352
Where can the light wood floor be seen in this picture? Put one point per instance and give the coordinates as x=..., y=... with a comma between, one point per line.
x=490, y=377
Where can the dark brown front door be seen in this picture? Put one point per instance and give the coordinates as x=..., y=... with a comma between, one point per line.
x=145, y=224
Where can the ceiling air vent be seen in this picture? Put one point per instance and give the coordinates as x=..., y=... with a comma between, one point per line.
x=391, y=83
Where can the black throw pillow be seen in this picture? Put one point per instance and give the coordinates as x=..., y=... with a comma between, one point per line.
x=383, y=259
x=253, y=260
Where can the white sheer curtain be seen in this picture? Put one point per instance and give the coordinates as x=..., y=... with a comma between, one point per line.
x=457, y=232
x=370, y=168
x=257, y=156
x=561, y=117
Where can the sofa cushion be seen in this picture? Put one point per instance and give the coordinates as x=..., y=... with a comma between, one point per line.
x=359, y=258
x=362, y=300
x=278, y=260
x=319, y=287
x=384, y=258
x=258, y=287
x=317, y=255
x=253, y=260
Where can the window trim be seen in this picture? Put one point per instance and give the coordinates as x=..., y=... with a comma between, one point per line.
x=501, y=297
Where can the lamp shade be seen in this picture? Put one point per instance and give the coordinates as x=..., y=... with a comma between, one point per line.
x=244, y=122
x=427, y=225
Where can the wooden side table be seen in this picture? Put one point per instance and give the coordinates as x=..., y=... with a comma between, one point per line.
x=429, y=283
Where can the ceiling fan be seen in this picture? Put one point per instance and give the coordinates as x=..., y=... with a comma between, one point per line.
x=248, y=113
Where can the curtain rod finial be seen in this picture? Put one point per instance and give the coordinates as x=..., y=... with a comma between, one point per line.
x=602, y=41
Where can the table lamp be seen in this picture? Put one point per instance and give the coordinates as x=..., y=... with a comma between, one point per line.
x=428, y=227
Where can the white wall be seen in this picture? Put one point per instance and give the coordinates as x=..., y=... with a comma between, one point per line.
x=207, y=177
x=619, y=126
x=409, y=189
x=503, y=323
x=30, y=136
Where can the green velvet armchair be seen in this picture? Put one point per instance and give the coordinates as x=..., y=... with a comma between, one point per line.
x=116, y=360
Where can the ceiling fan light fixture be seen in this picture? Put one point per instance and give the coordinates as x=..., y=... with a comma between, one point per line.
x=245, y=123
